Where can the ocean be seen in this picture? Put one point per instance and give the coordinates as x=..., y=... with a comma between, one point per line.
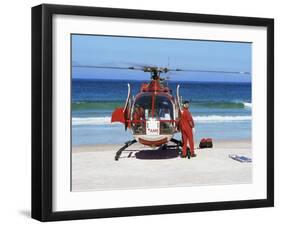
x=221, y=111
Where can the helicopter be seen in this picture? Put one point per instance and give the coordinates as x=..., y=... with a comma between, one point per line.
x=152, y=115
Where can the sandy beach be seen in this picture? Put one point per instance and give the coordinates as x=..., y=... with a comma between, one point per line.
x=94, y=167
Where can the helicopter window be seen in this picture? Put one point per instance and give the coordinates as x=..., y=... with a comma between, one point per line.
x=141, y=112
x=163, y=108
x=164, y=112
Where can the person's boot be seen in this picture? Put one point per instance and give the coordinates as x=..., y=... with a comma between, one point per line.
x=182, y=155
x=188, y=152
x=193, y=155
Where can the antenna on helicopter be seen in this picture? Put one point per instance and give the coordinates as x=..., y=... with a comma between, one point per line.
x=168, y=62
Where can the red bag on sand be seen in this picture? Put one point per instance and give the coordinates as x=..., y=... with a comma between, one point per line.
x=203, y=143
x=206, y=143
x=209, y=142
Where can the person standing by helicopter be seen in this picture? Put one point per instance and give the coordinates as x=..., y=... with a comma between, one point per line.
x=186, y=124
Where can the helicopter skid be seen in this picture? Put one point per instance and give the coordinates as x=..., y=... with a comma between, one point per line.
x=177, y=143
x=127, y=144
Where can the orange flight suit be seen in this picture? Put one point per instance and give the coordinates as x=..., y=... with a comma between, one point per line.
x=137, y=116
x=186, y=124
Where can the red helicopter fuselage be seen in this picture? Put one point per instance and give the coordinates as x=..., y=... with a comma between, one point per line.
x=152, y=115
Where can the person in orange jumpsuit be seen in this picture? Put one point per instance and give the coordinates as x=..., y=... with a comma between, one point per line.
x=186, y=124
x=138, y=115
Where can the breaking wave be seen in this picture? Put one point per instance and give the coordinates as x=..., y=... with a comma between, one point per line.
x=91, y=121
x=247, y=105
x=221, y=104
x=218, y=118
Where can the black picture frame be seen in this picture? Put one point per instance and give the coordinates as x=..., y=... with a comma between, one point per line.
x=42, y=111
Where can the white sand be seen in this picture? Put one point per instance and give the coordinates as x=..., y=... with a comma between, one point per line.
x=94, y=167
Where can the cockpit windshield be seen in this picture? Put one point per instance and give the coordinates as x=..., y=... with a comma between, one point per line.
x=152, y=107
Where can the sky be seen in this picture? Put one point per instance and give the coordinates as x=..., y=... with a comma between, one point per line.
x=171, y=53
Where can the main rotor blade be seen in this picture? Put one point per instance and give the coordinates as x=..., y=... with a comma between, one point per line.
x=211, y=71
x=143, y=68
x=107, y=67
x=140, y=65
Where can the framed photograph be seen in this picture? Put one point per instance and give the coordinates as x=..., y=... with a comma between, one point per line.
x=146, y=112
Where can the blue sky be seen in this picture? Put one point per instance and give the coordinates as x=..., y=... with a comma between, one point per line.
x=183, y=54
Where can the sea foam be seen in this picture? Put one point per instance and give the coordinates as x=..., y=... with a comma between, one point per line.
x=247, y=105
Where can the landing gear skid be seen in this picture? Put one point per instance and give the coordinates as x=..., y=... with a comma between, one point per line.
x=127, y=144
x=177, y=142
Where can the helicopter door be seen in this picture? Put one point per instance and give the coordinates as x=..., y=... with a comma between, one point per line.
x=123, y=114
